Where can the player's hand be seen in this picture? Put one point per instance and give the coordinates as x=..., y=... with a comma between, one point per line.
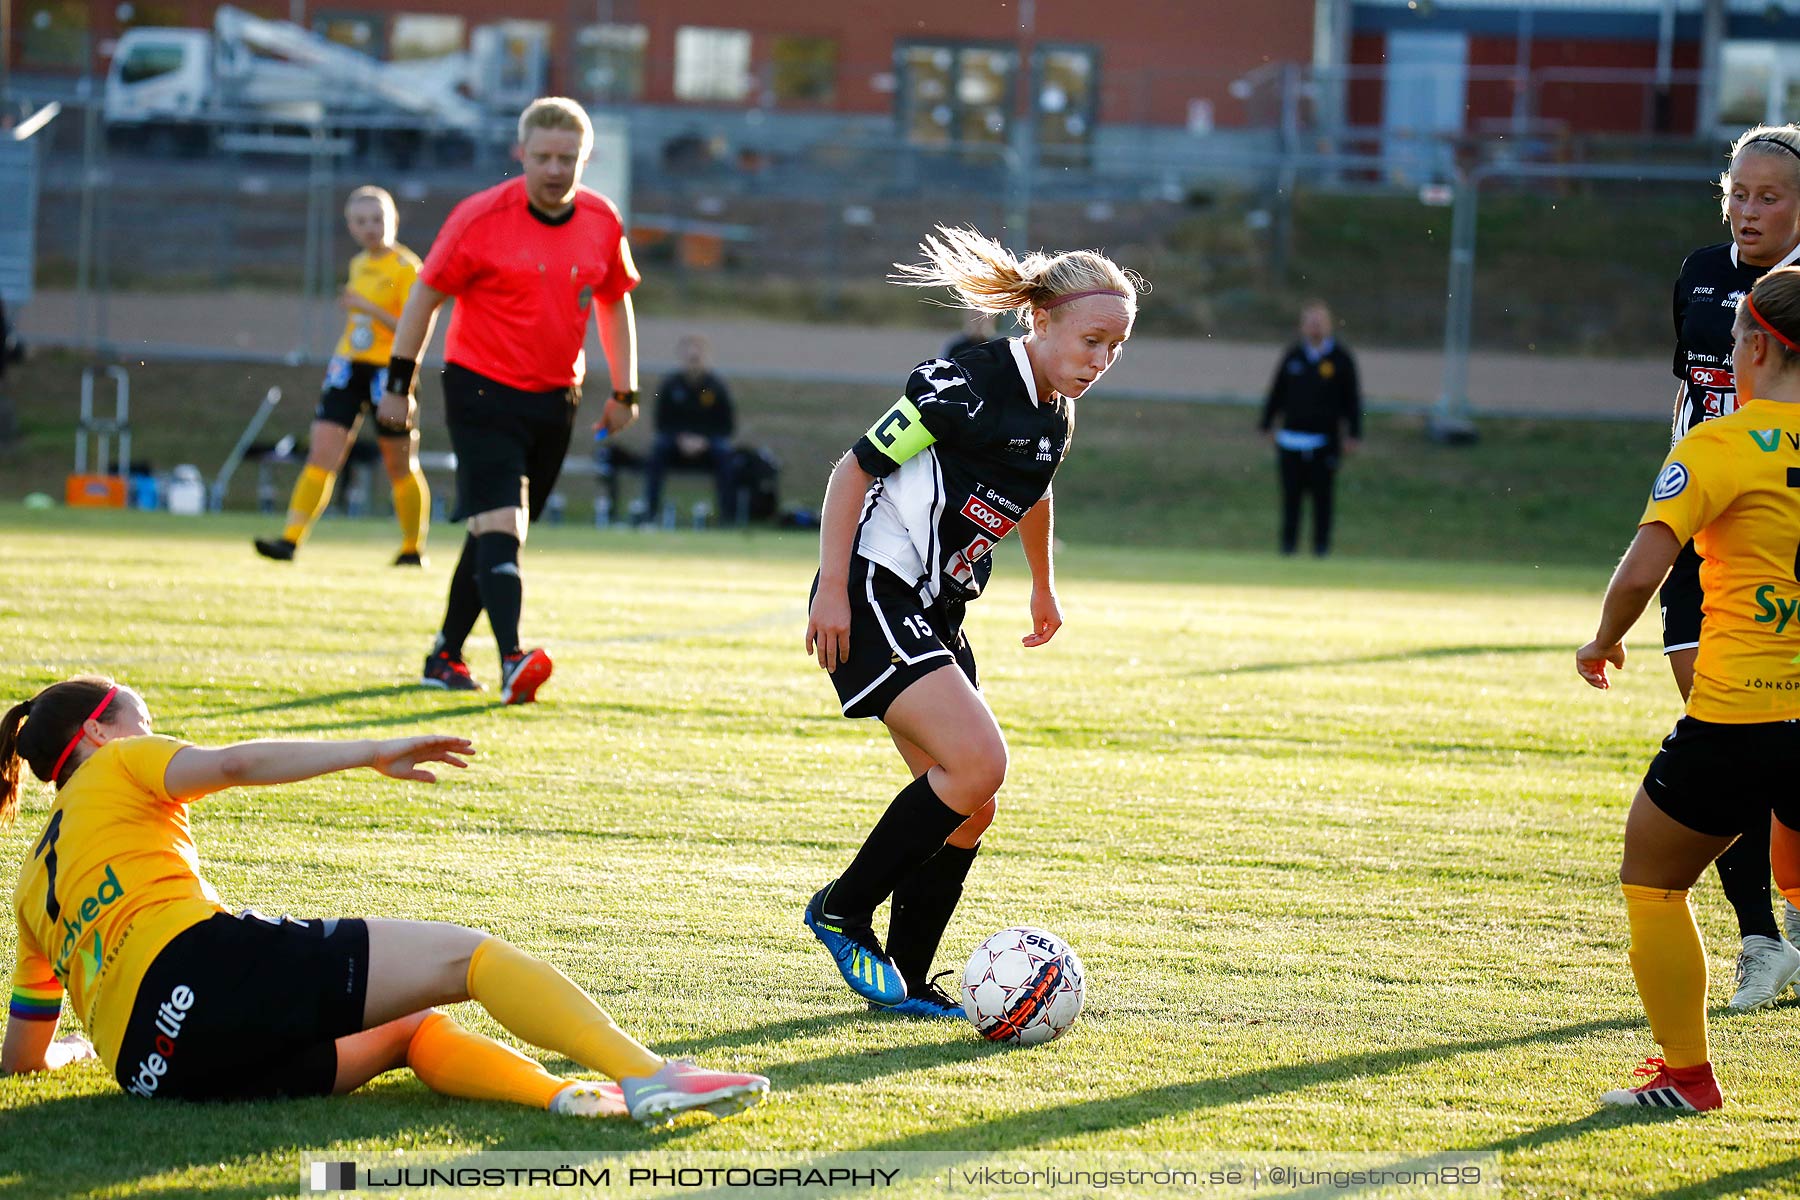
x=399, y=758
x=1046, y=617
x=70, y=1048
x=828, y=629
x=1591, y=662
x=397, y=413
x=616, y=417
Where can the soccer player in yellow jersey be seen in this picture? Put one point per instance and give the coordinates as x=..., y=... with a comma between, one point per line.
x=381, y=276
x=184, y=1000
x=1733, y=486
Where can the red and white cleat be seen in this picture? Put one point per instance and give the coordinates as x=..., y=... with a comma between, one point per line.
x=1680, y=1089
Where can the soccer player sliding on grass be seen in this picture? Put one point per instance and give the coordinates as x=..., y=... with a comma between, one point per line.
x=961, y=459
x=1733, y=486
x=184, y=1000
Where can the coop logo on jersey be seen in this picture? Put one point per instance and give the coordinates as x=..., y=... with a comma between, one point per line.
x=1671, y=483
x=997, y=524
x=1716, y=378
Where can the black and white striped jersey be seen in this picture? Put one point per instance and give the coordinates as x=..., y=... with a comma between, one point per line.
x=960, y=457
x=1707, y=291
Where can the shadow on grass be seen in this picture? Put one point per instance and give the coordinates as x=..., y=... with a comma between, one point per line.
x=407, y=718
x=1396, y=656
x=1778, y=1177
x=323, y=699
x=1731, y=1183
x=1022, y=1130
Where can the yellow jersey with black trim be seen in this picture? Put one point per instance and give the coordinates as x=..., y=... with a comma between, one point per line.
x=1733, y=486
x=110, y=881
x=385, y=280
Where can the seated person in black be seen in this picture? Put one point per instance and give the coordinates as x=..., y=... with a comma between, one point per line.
x=694, y=421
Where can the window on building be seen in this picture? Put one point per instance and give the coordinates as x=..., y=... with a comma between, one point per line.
x=426, y=35
x=712, y=64
x=609, y=60
x=955, y=95
x=1759, y=82
x=359, y=31
x=521, y=59
x=54, y=33
x=804, y=70
x=1067, y=86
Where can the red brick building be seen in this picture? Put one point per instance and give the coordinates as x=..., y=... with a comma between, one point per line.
x=948, y=69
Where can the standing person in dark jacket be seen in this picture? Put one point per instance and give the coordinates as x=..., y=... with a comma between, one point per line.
x=1761, y=206
x=1313, y=414
x=693, y=418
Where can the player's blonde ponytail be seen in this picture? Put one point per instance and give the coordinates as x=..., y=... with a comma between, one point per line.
x=988, y=277
x=1780, y=142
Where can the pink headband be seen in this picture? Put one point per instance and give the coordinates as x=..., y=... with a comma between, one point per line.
x=81, y=731
x=1061, y=300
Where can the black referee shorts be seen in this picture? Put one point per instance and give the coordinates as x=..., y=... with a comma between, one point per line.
x=895, y=641
x=509, y=444
x=1681, y=598
x=242, y=1008
x=1717, y=779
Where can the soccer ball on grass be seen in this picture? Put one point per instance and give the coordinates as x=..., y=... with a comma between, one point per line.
x=1023, y=986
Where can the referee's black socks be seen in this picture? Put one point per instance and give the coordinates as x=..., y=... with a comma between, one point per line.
x=502, y=591
x=923, y=904
x=463, y=604
x=911, y=830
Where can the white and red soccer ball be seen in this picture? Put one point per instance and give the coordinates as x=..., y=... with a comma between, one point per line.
x=1023, y=986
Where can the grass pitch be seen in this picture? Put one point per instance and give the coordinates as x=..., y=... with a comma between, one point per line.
x=1335, y=840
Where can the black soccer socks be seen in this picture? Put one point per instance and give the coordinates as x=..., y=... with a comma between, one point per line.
x=502, y=591
x=923, y=904
x=911, y=830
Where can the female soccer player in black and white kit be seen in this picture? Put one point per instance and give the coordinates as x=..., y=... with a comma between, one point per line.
x=962, y=458
x=1762, y=207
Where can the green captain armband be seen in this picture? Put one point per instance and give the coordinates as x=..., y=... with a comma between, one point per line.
x=901, y=432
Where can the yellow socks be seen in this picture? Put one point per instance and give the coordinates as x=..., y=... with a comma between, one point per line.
x=460, y=1062
x=541, y=1005
x=1670, y=966
x=312, y=493
x=412, y=508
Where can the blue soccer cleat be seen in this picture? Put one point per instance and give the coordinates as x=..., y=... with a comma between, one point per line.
x=862, y=962
x=932, y=1004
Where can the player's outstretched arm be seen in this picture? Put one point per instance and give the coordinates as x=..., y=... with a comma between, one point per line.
x=1037, y=535
x=1645, y=565
x=195, y=771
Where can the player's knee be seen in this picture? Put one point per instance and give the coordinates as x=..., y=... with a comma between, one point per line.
x=983, y=771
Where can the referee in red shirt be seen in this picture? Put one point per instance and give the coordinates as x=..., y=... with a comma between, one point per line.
x=529, y=262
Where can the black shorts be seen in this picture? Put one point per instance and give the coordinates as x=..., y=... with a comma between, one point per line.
x=1719, y=779
x=509, y=444
x=243, y=1008
x=1681, y=599
x=895, y=641
x=350, y=387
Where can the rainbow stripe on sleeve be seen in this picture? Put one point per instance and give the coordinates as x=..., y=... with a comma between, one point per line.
x=38, y=1002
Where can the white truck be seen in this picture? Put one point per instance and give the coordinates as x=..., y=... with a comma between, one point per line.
x=249, y=70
